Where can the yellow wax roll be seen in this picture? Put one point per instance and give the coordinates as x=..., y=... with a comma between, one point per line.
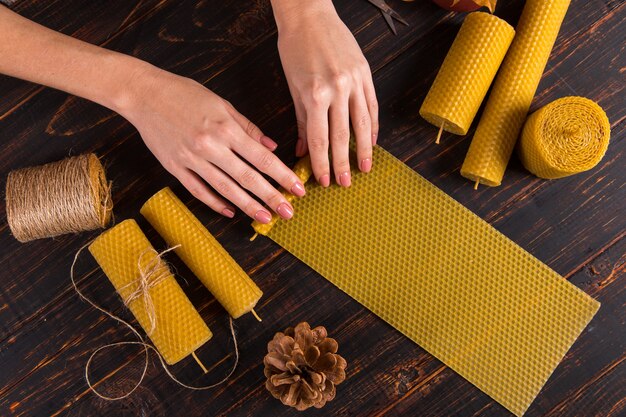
x=467, y=72
x=513, y=91
x=304, y=171
x=199, y=250
x=568, y=136
x=164, y=311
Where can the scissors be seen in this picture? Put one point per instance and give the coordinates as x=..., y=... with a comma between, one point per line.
x=389, y=14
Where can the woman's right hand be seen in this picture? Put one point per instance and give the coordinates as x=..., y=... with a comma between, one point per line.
x=213, y=150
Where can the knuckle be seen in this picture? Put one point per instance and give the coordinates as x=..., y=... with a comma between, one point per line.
x=274, y=199
x=301, y=125
x=196, y=191
x=252, y=130
x=341, y=80
x=341, y=135
x=266, y=161
x=317, y=144
x=223, y=188
x=247, y=178
x=318, y=94
x=250, y=208
x=363, y=121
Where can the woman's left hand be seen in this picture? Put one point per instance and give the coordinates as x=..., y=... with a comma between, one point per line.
x=331, y=85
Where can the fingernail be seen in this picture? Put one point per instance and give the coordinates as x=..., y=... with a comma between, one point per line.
x=324, y=180
x=268, y=143
x=366, y=165
x=299, y=147
x=298, y=190
x=374, y=138
x=263, y=216
x=228, y=213
x=344, y=179
x=285, y=210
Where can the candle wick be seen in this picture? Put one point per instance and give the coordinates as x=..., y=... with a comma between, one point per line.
x=253, y=237
x=476, y=184
x=199, y=362
x=256, y=316
x=439, y=134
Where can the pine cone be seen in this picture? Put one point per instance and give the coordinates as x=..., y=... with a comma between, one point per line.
x=302, y=367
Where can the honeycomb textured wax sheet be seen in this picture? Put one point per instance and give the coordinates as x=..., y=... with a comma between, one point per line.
x=179, y=330
x=568, y=136
x=204, y=255
x=467, y=72
x=513, y=91
x=442, y=276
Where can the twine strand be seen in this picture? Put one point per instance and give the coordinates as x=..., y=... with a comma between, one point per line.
x=141, y=341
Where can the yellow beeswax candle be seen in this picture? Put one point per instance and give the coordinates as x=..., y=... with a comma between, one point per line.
x=304, y=171
x=513, y=91
x=199, y=250
x=164, y=312
x=568, y=136
x=467, y=72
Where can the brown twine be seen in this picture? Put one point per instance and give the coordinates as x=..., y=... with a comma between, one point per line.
x=67, y=196
x=145, y=282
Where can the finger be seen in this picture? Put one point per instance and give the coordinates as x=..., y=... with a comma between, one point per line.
x=269, y=164
x=362, y=125
x=251, y=129
x=301, y=144
x=250, y=179
x=199, y=190
x=317, y=140
x=230, y=190
x=372, y=104
x=339, y=117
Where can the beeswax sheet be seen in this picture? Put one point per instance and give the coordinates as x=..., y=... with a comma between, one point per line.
x=442, y=276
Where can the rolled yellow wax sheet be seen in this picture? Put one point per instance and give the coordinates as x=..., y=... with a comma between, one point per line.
x=513, y=91
x=304, y=171
x=164, y=312
x=199, y=250
x=568, y=136
x=467, y=72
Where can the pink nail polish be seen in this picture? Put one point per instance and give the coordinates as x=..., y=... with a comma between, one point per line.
x=366, y=165
x=228, y=213
x=285, y=210
x=268, y=143
x=324, y=180
x=298, y=190
x=345, y=180
x=263, y=216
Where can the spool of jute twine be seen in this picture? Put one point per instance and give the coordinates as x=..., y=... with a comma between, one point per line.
x=67, y=196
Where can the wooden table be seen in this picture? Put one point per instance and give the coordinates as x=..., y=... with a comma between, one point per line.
x=576, y=225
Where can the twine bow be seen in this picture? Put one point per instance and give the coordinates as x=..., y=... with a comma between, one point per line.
x=151, y=274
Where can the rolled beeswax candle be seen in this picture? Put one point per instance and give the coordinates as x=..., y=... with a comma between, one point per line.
x=165, y=313
x=206, y=258
x=513, y=91
x=568, y=136
x=304, y=171
x=467, y=72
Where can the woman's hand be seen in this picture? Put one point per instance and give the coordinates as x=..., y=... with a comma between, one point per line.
x=331, y=85
x=202, y=140
x=197, y=136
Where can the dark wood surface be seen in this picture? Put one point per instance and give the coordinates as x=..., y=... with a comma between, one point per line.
x=576, y=225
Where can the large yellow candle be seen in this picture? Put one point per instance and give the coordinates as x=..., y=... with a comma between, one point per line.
x=513, y=91
x=568, y=136
x=148, y=288
x=199, y=250
x=467, y=72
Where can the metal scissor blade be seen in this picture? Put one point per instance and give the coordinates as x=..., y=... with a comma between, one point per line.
x=389, y=21
x=396, y=16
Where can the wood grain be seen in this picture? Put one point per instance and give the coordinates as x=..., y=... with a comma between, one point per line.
x=576, y=225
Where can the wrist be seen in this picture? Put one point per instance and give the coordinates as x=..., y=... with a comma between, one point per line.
x=291, y=15
x=125, y=81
